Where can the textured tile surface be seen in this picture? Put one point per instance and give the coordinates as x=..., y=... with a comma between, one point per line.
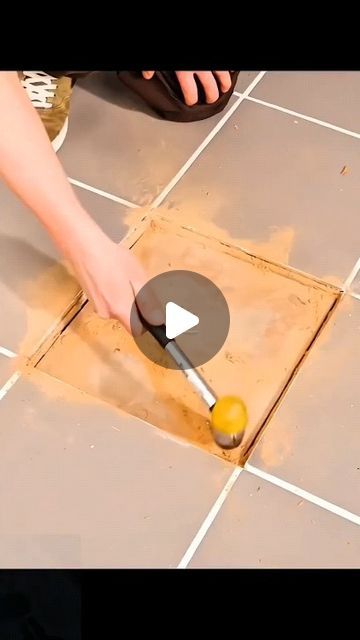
x=244, y=79
x=82, y=484
x=329, y=96
x=313, y=439
x=274, y=184
x=263, y=526
x=117, y=144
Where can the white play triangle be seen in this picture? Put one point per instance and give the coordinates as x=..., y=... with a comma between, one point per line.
x=178, y=320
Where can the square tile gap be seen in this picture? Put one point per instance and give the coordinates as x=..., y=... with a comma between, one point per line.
x=160, y=198
x=162, y=223
x=302, y=116
x=215, y=509
x=306, y=495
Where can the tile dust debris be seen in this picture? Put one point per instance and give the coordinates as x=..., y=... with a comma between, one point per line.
x=275, y=314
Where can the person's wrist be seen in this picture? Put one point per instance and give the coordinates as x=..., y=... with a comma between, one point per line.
x=77, y=233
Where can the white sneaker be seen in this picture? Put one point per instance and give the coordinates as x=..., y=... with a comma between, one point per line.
x=51, y=98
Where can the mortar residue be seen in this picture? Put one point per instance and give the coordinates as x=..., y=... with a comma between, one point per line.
x=273, y=320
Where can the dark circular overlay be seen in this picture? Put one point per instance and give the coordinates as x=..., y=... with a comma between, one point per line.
x=201, y=297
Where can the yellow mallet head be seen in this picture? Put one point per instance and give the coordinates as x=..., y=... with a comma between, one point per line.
x=228, y=421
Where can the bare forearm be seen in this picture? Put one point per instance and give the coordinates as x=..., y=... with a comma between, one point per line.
x=31, y=169
x=110, y=274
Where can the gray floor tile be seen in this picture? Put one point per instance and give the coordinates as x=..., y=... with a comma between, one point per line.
x=274, y=184
x=34, y=287
x=89, y=485
x=313, y=440
x=263, y=526
x=116, y=144
x=83, y=484
x=244, y=79
x=113, y=217
x=331, y=96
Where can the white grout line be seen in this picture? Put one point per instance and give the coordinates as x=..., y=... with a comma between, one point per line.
x=10, y=354
x=9, y=384
x=310, y=497
x=351, y=277
x=7, y=353
x=209, y=519
x=322, y=123
x=159, y=199
x=163, y=194
x=105, y=194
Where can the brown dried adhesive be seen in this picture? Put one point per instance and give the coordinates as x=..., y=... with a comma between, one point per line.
x=274, y=317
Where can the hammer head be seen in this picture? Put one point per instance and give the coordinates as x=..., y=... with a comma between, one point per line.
x=228, y=421
x=226, y=441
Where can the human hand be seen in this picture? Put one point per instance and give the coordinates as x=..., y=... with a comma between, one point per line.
x=210, y=80
x=112, y=276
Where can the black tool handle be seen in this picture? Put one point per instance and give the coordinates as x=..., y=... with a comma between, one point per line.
x=157, y=331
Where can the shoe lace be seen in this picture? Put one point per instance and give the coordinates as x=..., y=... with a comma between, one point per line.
x=40, y=87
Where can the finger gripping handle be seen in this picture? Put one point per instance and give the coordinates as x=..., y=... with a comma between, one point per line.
x=157, y=331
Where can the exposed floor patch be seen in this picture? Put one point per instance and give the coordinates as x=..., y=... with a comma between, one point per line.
x=275, y=314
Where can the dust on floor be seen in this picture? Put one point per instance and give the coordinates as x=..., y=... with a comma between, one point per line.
x=275, y=314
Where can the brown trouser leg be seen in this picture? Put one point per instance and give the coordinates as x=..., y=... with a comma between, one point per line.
x=163, y=94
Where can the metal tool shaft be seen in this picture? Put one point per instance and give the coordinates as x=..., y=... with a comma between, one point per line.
x=224, y=440
x=191, y=373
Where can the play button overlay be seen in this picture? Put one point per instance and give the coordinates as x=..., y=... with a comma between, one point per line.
x=178, y=320
x=195, y=315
